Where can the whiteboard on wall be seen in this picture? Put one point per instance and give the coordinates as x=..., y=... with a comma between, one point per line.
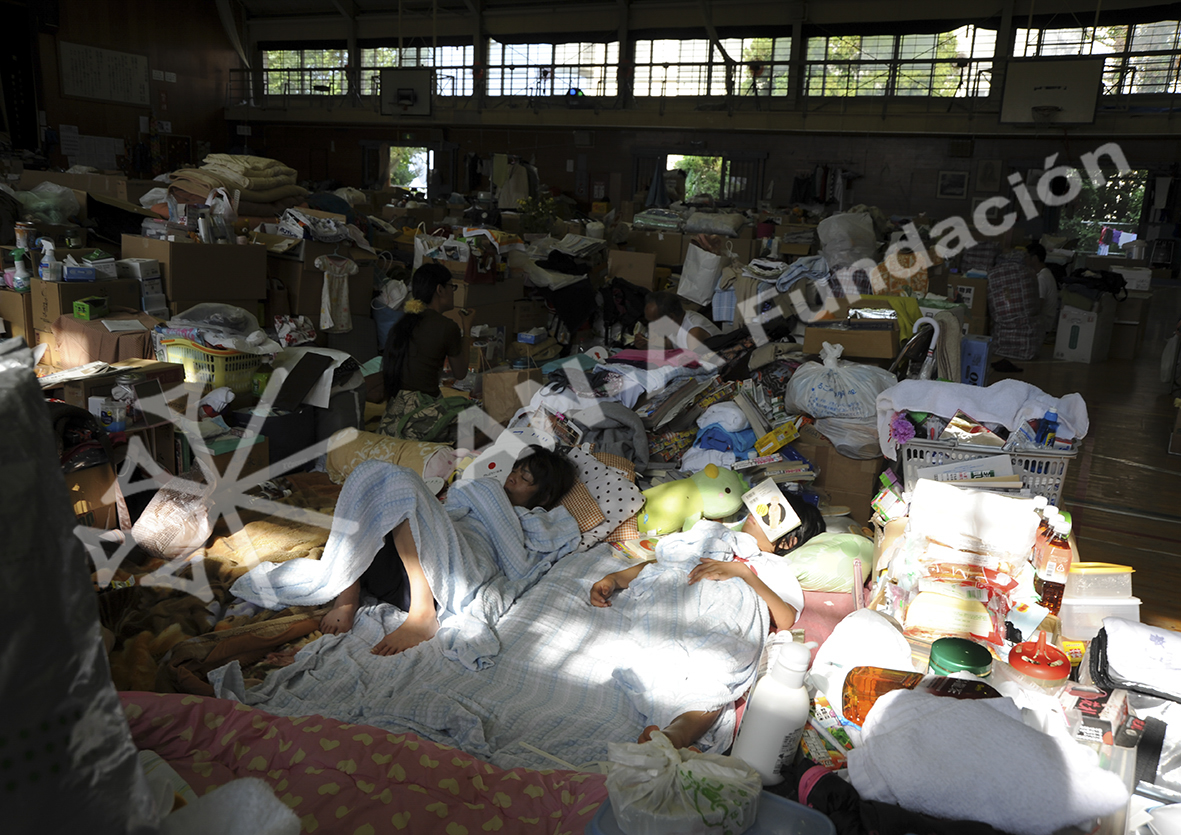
x=1066, y=89
x=88, y=72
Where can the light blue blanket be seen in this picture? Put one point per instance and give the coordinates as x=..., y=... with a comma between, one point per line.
x=479, y=553
x=568, y=679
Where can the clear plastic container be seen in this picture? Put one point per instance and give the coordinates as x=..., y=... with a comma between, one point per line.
x=1099, y=579
x=1082, y=617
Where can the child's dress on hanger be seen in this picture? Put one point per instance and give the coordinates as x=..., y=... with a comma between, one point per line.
x=335, y=315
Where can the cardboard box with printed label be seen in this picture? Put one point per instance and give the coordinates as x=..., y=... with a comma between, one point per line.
x=52, y=299
x=666, y=246
x=204, y=272
x=1085, y=335
x=970, y=292
x=16, y=309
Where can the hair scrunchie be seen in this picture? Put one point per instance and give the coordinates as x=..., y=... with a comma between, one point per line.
x=414, y=306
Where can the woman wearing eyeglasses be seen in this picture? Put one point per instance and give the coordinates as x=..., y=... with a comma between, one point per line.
x=418, y=346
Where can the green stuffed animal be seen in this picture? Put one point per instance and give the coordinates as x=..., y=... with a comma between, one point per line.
x=712, y=493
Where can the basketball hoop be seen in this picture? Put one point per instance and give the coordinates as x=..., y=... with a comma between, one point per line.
x=1044, y=114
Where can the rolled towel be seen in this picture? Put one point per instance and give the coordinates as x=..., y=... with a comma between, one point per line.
x=976, y=760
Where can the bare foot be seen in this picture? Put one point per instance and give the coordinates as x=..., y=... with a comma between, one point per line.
x=339, y=619
x=685, y=729
x=674, y=736
x=409, y=634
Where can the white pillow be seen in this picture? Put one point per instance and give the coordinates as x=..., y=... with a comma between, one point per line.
x=612, y=490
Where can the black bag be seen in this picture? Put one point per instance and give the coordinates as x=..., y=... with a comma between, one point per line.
x=1091, y=283
x=623, y=303
x=1102, y=675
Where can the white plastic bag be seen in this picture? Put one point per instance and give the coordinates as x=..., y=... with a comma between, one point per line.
x=426, y=246
x=847, y=238
x=837, y=389
x=700, y=274
x=656, y=789
x=853, y=437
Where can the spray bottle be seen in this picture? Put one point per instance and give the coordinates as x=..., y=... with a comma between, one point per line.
x=22, y=276
x=51, y=268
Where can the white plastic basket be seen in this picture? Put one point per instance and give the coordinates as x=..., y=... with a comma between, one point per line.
x=1043, y=472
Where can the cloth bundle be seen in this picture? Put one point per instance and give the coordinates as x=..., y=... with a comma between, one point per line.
x=266, y=187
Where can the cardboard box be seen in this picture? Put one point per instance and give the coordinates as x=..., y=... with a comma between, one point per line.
x=104, y=184
x=666, y=246
x=205, y=272
x=1134, y=308
x=257, y=458
x=79, y=392
x=529, y=314
x=879, y=343
x=506, y=391
x=52, y=299
x=140, y=268
x=776, y=439
x=970, y=292
x=1085, y=335
x=479, y=295
x=295, y=271
x=846, y=481
x=637, y=267
x=977, y=325
x=52, y=355
x=16, y=309
x=497, y=314
x=81, y=342
x=796, y=239
x=91, y=307
x=1136, y=278
x=92, y=496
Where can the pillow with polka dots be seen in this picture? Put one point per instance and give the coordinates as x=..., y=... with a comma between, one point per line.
x=620, y=463
x=583, y=508
x=616, y=496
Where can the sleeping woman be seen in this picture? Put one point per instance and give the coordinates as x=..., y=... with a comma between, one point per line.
x=466, y=560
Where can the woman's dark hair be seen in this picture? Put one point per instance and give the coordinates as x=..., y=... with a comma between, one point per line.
x=553, y=475
x=666, y=303
x=1037, y=251
x=811, y=519
x=424, y=282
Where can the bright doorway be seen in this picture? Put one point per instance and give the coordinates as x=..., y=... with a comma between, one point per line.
x=410, y=167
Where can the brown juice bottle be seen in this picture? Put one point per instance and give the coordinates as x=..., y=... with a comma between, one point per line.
x=865, y=685
x=1050, y=580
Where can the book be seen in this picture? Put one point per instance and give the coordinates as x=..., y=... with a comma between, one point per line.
x=757, y=422
x=770, y=509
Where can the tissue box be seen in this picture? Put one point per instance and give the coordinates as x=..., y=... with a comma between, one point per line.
x=81, y=272
x=141, y=268
x=104, y=267
x=91, y=307
x=531, y=338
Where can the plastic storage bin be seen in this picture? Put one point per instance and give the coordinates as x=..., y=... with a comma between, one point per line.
x=777, y=816
x=1043, y=472
x=1082, y=618
x=1098, y=579
x=212, y=367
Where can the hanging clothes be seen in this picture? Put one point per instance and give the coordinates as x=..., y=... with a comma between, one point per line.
x=335, y=314
x=515, y=187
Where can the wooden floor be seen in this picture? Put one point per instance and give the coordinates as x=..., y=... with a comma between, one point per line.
x=1124, y=489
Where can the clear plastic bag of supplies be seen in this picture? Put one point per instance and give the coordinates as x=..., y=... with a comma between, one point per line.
x=49, y=203
x=656, y=789
x=846, y=238
x=832, y=388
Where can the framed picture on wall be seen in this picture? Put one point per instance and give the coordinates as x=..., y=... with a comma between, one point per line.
x=952, y=184
x=994, y=213
x=988, y=175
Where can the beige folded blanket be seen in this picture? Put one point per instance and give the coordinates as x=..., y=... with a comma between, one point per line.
x=248, y=165
x=201, y=180
x=254, y=182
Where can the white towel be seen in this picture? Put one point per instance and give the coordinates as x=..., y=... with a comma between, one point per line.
x=1009, y=403
x=976, y=760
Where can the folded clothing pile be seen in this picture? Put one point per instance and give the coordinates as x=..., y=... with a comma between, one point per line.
x=266, y=186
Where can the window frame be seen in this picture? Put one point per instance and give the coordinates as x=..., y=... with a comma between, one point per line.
x=547, y=74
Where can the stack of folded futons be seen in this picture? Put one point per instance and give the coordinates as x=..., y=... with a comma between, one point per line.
x=266, y=186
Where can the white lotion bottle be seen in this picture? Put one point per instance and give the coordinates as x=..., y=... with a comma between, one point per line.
x=775, y=715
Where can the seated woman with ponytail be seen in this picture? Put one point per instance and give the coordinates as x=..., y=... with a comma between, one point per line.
x=417, y=346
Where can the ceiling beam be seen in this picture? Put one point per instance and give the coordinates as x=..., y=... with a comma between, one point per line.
x=348, y=8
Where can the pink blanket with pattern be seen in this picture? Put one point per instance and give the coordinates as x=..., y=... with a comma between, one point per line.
x=357, y=779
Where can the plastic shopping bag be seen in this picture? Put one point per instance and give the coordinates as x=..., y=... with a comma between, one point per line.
x=427, y=246
x=656, y=789
x=700, y=274
x=837, y=389
x=846, y=238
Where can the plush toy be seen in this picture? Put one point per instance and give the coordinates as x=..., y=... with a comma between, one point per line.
x=712, y=493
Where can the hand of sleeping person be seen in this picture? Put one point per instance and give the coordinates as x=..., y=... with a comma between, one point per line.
x=601, y=591
x=716, y=570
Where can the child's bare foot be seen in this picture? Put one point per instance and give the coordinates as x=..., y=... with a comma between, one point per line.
x=410, y=634
x=685, y=729
x=339, y=619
